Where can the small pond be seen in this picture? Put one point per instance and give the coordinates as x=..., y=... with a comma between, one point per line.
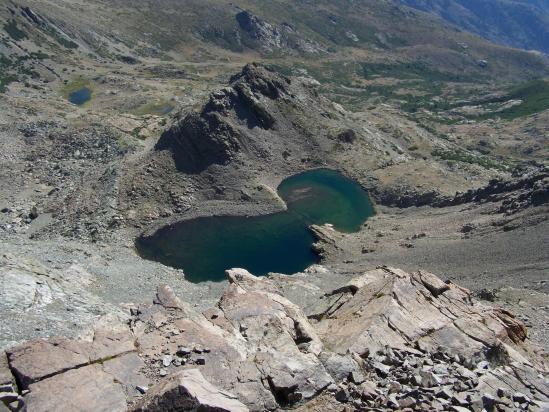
x=280, y=242
x=80, y=96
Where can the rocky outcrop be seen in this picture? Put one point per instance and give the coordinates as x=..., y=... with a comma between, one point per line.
x=66, y=375
x=255, y=344
x=416, y=332
x=187, y=390
x=271, y=37
x=223, y=128
x=406, y=196
x=201, y=140
x=528, y=188
x=262, y=117
x=386, y=340
x=267, y=34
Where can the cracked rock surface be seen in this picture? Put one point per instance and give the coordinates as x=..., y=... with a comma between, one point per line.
x=386, y=340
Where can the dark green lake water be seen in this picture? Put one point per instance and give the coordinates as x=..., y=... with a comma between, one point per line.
x=80, y=96
x=281, y=242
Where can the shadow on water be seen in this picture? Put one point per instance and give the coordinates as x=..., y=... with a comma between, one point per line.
x=280, y=242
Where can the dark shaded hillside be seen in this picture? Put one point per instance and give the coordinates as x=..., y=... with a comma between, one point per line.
x=519, y=23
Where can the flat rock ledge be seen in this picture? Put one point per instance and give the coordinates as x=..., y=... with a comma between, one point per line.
x=387, y=340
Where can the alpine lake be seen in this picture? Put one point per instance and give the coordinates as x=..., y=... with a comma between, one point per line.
x=80, y=96
x=280, y=242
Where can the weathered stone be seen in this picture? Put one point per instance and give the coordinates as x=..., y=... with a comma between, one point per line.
x=356, y=377
x=188, y=390
x=488, y=401
x=338, y=366
x=128, y=370
x=284, y=387
x=166, y=297
x=406, y=402
x=260, y=347
x=183, y=351
x=381, y=369
x=392, y=401
x=39, y=359
x=6, y=378
x=394, y=387
x=8, y=397
x=110, y=341
x=455, y=408
x=433, y=283
x=465, y=373
x=142, y=389
x=342, y=395
x=520, y=398
x=167, y=360
x=84, y=389
x=368, y=390
x=459, y=399
x=429, y=379
x=503, y=393
x=416, y=380
x=444, y=394
x=398, y=308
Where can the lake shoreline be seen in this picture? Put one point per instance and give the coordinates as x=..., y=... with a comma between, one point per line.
x=315, y=197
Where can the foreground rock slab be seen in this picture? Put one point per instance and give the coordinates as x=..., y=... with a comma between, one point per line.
x=87, y=388
x=188, y=390
x=386, y=340
x=40, y=359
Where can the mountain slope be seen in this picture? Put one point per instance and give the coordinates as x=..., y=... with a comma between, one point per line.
x=519, y=23
x=128, y=31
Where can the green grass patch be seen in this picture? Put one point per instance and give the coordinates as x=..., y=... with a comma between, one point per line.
x=535, y=98
x=75, y=85
x=160, y=108
x=39, y=55
x=5, y=80
x=62, y=40
x=5, y=77
x=411, y=70
x=5, y=62
x=417, y=84
x=14, y=32
x=534, y=95
x=459, y=155
x=68, y=44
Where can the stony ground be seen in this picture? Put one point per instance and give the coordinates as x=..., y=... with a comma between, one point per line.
x=76, y=194
x=386, y=340
x=79, y=184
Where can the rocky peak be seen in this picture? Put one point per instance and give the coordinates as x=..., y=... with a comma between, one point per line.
x=260, y=79
x=234, y=120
